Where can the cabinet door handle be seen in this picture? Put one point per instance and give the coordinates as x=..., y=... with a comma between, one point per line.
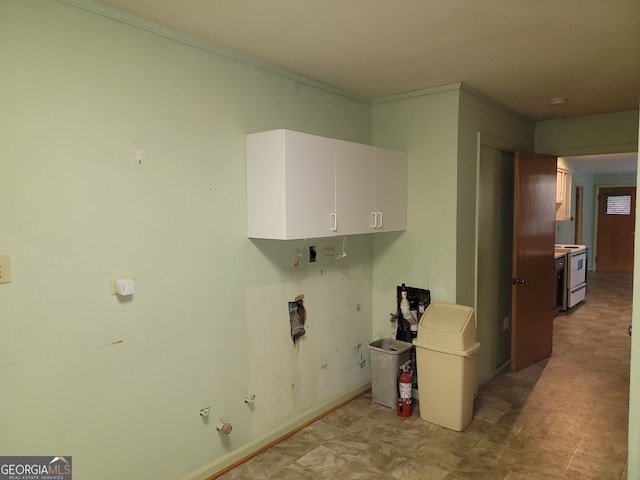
x=374, y=217
x=379, y=216
x=334, y=217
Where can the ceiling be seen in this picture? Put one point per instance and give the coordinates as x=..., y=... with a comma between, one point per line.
x=521, y=53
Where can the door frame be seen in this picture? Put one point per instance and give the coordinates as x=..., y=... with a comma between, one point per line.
x=488, y=326
x=579, y=215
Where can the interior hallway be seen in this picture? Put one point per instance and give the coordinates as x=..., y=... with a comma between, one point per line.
x=564, y=418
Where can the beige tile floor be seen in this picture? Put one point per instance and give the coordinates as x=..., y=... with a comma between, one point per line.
x=562, y=418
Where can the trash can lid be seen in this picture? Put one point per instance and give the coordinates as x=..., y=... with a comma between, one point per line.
x=447, y=325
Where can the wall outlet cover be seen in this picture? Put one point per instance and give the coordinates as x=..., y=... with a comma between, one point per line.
x=125, y=287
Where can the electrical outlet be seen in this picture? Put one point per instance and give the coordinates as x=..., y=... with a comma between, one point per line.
x=5, y=268
x=312, y=254
x=296, y=260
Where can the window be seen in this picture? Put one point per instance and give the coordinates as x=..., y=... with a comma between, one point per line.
x=618, y=205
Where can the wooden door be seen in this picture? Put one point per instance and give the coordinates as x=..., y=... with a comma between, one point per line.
x=616, y=229
x=533, y=265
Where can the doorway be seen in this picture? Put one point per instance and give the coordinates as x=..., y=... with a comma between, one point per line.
x=616, y=229
x=494, y=256
x=495, y=261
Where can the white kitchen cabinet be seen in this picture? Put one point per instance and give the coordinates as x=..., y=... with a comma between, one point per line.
x=563, y=194
x=560, y=186
x=355, y=188
x=391, y=190
x=290, y=185
x=370, y=189
x=304, y=186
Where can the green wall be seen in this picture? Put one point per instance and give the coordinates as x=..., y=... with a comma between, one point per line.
x=424, y=256
x=480, y=115
x=634, y=396
x=588, y=135
x=439, y=128
x=120, y=384
x=483, y=122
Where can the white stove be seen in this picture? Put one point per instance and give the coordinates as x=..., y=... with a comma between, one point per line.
x=576, y=273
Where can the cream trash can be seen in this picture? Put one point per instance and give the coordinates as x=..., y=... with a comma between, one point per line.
x=446, y=350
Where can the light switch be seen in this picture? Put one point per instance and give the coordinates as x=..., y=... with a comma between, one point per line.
x=125, y=287
x=5, y=268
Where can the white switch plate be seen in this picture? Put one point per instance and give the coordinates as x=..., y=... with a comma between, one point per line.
x=5, y=268
x=123, y=286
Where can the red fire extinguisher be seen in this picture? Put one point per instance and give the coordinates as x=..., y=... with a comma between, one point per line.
x=405, y=382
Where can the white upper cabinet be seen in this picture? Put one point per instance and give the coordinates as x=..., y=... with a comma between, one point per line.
x=391, y=190
x=560, y=186
x=563, y=194
x=305, y=186
x=355, y=187
x=290, y=185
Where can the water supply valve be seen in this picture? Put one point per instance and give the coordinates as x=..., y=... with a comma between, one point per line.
x=224, y=427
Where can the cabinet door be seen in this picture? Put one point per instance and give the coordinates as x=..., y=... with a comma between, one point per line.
x=568, y=180
x=355, y=188
x=391, y=189
x=309, y=185
x=265, y=185
x=560, y=187
x=563, y=195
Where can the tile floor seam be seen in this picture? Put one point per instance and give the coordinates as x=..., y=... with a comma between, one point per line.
x=573, y=455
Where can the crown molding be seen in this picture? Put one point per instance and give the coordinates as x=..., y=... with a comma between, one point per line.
x=417, y=93
x=209, y=47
